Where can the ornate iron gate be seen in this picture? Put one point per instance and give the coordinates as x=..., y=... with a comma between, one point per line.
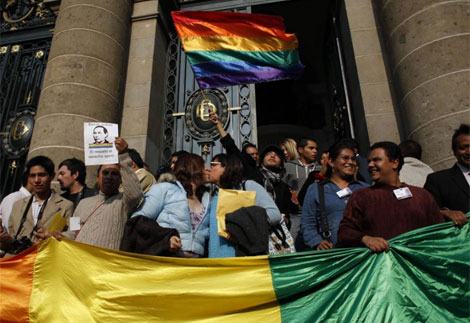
x=186, y=124
x=24, y=49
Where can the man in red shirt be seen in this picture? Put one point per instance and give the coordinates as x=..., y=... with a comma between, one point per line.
x=388, y=208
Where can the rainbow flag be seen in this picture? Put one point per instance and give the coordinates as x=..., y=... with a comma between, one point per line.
x=424, y=278
x=229, y=48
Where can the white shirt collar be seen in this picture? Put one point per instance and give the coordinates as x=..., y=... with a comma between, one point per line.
x=25, y=191
x=463, y=168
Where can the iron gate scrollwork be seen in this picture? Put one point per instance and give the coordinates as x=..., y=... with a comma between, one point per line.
x=186, y=125
x=24, y=50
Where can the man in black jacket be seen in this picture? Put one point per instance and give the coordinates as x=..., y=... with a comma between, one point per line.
x=450, y=187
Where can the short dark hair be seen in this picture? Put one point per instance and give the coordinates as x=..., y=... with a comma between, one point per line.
x=24, y=179
x=410, y=148
x=351, y=142
x=42, y=161
x=464, y=129
x=104, y=129
x=75, y=165
x=233, y=174
x=334, y=152
x=391, y=150
x=304, y=141
x=336, y=149
x=248, y=145
x=136, y=158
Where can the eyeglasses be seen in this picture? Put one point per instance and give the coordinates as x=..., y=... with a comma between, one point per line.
x=348, y=158
x=213, y=164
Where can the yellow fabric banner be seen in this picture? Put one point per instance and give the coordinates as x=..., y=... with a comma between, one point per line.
x=230, y=201
x=75, y=282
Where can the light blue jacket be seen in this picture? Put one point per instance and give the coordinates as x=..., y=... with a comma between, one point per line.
x=167, y=203
x=220, y=247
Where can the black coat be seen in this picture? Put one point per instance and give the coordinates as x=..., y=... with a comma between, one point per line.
x=250, y=168
x=146, y=236
x=450, y=189
x=284, y=200
x=249, y=227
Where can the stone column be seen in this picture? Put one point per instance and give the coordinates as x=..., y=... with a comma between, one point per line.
x=84, y=76
x=375, y=85
x=143, y=94
x=428, y=42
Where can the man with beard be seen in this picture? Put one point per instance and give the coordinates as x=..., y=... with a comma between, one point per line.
x=72, y=174
x=272, y=169
x=388, y=208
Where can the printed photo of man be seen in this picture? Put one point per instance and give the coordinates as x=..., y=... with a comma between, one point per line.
x=100, y=135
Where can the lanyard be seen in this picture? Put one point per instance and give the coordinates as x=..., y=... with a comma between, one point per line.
x=41, y=212
x=86, y=220
x=25, y=213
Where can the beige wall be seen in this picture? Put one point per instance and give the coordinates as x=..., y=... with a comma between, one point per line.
x=375, y=86
x=142, y=96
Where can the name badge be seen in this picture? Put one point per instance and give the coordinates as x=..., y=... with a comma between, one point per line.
x=74, y=223
x=344, y=192
x=402, y=193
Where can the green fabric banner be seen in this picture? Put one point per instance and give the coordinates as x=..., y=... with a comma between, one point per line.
x=425, y=277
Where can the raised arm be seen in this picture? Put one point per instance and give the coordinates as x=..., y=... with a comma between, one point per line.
x=132, y=192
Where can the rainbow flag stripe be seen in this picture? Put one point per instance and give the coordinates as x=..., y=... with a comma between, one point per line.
x=103, y=145
x=424, y=278
x=228, y=48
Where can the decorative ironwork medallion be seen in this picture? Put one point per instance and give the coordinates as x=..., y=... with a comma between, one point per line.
x=197, y=113
x=20, y=14
x=19, y=130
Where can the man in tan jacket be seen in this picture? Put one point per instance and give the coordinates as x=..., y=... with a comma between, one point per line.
x=38, y=211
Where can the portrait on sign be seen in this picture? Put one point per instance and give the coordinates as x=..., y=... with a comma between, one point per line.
x=99, y=143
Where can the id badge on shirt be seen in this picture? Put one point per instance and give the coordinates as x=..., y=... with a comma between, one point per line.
x=344, y=192
x=74, y=223
x=402, y=193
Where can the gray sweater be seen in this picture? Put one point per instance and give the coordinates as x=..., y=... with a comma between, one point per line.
x=297, y=173
x=105, y=226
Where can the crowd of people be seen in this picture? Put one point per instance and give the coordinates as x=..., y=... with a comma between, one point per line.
x=330, y=200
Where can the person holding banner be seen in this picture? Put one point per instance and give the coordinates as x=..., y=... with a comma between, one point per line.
x=226, y=172
x=100, y=220
x=35, y=215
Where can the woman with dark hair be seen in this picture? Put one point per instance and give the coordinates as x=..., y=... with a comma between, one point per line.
x=182, y=205
x=226, y=172
x=320, y=231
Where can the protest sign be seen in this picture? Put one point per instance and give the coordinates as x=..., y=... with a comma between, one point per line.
x=99, y=143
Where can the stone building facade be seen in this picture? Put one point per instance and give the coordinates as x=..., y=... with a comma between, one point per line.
x=393, y=69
